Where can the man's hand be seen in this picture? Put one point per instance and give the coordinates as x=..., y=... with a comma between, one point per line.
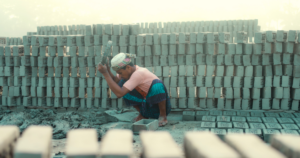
x=102, y=68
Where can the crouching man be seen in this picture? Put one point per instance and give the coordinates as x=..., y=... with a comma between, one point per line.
x=139, y=88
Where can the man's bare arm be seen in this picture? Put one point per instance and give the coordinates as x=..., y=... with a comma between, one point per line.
x=119, y=91
x=115, y=78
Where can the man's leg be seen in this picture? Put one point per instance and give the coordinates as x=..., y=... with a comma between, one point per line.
x=162, y=113
x=135, y=103
x=140, y=116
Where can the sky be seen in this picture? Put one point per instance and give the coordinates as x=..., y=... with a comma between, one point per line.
x=17, y=17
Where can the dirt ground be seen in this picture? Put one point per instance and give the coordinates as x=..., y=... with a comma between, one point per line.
x=176, y=127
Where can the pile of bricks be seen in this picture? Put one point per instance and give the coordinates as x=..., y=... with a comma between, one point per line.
x=202, y=70
x=36, y=142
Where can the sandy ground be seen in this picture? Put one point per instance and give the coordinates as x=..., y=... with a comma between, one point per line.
x=176, y=127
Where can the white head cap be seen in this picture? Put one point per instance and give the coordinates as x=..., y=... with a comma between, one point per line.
x=121, y=60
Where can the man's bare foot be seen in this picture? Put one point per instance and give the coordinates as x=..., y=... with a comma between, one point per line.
x=139, y=117
x=162, y=121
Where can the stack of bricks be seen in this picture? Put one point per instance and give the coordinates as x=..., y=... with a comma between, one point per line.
x=240, y=76
x=231, y=26
x=277, y=70
x=61, y=70
x=202, y=70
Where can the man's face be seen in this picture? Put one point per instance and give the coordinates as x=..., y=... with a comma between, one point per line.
x=125, y=74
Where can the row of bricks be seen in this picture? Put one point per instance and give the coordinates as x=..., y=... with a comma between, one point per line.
x=229, y=76
x=109, y=27
x=199, y=28
x=284, y=72
x=283, y=118
x=244, y=125
x=266, y=134
x=221, y=60
x=157, y=56
x=210, y=38
x=278, y=38
x=96, y=29
x=239, y=104
x=220, y=29
x=65, y=92
x=132, y=40
x=236, y=104
x=244, y=113
x=53, y=82
x=235, y=93
x=12, y=41
x=152, y=61
x=62, y=102
x=181, y=92
x=58, y=72
x=191, y=48
x=83, y=143
x=230, y=81
x=239, y=23
x=126, y=30
x=204, y=83
x=199, y=84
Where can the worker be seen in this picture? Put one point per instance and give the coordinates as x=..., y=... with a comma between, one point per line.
x=139, y=88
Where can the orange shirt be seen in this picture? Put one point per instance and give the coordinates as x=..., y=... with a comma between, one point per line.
x=141, y=80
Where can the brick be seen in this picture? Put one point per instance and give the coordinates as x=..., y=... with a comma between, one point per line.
x=145, y=124
x=290, y=126
x=191, y=141
x=273, y=126
x=238, y=119
x=260, y=149
x=37, y=136
x=289, y=132
x=149, y=145
x=238, y=59
x=188, y=116
x=81, y=149
x=9, y=61
x=25, y=91
x=9, y=135
x=287, y=144
x=295, y=105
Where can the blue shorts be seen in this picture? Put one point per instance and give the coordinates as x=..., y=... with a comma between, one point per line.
x=149, y=107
